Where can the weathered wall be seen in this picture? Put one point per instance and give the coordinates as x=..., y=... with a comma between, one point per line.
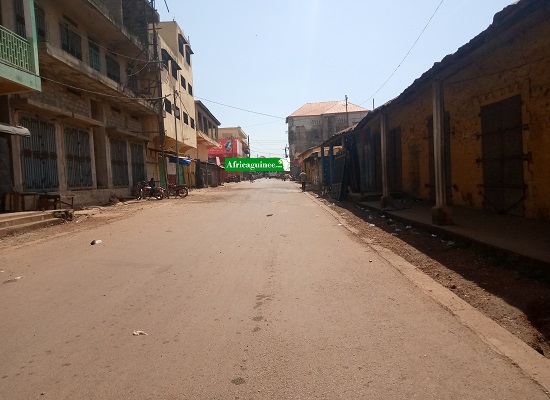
x=487, y=76
x=309, y=131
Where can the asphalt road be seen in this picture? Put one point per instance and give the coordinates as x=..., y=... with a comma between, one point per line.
x=250, y=291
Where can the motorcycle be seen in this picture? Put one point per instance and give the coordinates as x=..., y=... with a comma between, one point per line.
x=232, y=178
x=178, y=190
x=145, y=191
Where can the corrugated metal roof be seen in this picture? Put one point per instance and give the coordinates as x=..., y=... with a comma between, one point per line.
x=326, y=107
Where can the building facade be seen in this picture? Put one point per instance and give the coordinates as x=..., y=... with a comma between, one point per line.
x=314, y=123
x=180, y=135
x=19, y=73
x=473, y=131
x=91, y=122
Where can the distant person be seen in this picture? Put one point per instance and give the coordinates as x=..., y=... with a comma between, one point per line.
x=152, y=186
x=303, y=179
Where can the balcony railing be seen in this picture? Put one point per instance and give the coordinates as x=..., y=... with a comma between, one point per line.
x=15, y=50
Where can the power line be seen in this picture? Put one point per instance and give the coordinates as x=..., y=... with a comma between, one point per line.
x=238, y=108
x=406, y=55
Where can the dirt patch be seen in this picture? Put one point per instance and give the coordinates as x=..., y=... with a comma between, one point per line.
x=511, y=290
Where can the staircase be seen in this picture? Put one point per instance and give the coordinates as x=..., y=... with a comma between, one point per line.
x=22, y=222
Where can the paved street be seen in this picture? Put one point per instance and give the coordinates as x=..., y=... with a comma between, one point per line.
x=250, y=291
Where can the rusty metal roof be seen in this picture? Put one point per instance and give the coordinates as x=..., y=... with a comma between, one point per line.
x=326, y=107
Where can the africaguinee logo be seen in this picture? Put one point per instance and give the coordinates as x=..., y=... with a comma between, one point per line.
x=254, y=164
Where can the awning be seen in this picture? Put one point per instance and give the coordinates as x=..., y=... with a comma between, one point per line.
x=14, y=129
x=181, y=160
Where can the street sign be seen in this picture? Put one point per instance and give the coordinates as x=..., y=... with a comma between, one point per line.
x=256, y=164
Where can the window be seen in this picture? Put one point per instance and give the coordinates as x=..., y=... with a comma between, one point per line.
x=165, y=59
x=176, y=112
x=192, y=123
x=131, y=78
x=70, y=41
x=95, y=60
x=183, y=83
x=181, y=45
x=186, y=118
x=168, y=106
x=19, y=10
x=188, y=53
x=175, y=68
x=40, y=18
x=113, y=68
x=190, y=89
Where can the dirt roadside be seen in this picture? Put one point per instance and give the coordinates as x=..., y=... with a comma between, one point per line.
x=510, y=290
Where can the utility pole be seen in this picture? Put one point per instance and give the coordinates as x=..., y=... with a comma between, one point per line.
x=347, y=115
x=176, y=116
x=160, y=110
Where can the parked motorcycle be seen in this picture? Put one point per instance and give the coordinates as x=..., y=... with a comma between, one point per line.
x=145, y=191
x=232, y=178
x=178, y=190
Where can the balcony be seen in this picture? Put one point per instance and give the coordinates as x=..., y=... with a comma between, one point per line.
x=19, y=73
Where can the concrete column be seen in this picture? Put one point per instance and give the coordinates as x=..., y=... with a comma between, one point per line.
x=386, y=199
x=441, y=214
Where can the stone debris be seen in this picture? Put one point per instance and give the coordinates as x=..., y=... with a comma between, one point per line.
x=139, y=333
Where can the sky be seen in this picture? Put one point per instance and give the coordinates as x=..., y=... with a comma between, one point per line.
x=255, y=61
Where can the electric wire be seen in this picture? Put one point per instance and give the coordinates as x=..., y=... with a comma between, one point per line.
x=406, y=55
x=238, y=108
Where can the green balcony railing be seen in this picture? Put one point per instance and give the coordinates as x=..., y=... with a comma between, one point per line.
x=15, y=50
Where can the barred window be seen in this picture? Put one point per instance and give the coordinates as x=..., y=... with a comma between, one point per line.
x=113, y=68
x=95, y=58
x=70, y=41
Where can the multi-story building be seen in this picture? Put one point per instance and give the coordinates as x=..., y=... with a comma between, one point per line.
x=179, y=103
x=207, y=131
x=90, y=124
x=19, y=73
x=313, y=123
x=234, y=143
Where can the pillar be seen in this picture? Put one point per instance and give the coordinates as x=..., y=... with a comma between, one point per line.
x=441, y=213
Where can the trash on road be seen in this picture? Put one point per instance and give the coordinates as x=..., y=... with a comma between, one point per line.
x=138, y=333
x=96, y=241
x=269, y=215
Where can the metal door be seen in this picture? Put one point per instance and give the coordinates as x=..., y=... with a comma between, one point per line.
x=119, y=163
x=502, y=157
x=79, y=161
x=39, y=156
x=373, y=162
x=138, y=162
x=6, y=168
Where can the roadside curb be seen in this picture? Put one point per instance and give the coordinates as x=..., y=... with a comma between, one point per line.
x=533, y=364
